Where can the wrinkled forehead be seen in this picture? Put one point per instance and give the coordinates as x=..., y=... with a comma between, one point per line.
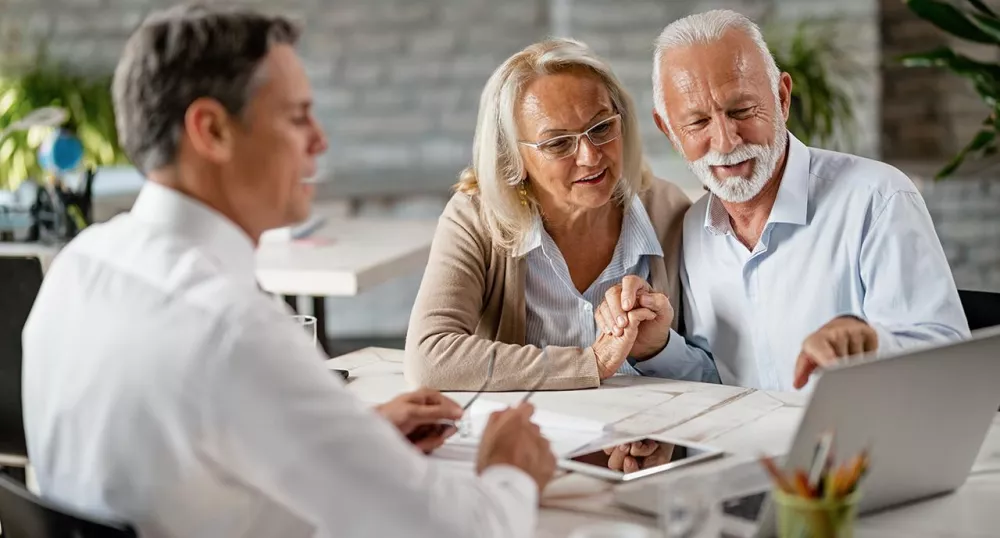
x=715, y=72
x=569, y=101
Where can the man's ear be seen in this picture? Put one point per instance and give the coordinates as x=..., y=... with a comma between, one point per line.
x=785, y=94
x=661, y=124
x=209, y=129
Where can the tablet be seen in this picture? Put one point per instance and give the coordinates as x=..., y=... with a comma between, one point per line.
x=647, y=455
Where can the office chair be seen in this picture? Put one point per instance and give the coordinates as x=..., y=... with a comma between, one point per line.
x=20, y=279
x=25, y=515
x=982, y=308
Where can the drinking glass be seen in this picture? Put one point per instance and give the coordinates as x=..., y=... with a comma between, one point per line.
x=309, y=324
x=690, y=506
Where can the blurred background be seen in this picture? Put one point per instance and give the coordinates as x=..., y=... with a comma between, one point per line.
x=397, y=85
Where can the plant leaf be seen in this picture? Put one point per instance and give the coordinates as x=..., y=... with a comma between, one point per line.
x=989, y=25
x=982, y=8
x=950, y=19
x=985, y=77
x=978, y=143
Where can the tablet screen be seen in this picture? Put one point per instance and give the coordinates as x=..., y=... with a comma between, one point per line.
x=639, y=455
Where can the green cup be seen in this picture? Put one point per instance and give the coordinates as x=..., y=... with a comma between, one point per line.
x=799, y=517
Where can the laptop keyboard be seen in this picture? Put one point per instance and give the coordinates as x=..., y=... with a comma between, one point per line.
x=747, y=507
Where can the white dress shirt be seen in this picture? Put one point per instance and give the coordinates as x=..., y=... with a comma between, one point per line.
x=163, y=389
x=846, y=236
x=558, y=314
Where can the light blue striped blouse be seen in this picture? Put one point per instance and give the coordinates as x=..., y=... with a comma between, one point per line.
x=558, y=314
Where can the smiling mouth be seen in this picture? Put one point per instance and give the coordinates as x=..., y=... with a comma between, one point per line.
x=592, y=179
x=732, y=169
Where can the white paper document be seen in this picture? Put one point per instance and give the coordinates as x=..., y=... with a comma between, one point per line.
x=565, y=433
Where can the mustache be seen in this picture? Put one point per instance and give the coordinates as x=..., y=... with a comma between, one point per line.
x=741, y=153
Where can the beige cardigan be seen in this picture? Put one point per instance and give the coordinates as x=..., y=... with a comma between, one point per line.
x=471, y=301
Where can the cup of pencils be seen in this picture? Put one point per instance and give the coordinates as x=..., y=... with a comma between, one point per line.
x=820, y=502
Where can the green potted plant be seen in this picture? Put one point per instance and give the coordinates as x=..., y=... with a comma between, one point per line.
x=821, y=111
x=979, y=24
x=87, y=101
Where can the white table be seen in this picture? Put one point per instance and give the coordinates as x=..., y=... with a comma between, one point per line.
x=344, y=257
x=744, y=422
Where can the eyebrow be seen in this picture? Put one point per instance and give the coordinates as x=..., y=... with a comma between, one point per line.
x=736, y=102
x=304, y=104
x=589, y=122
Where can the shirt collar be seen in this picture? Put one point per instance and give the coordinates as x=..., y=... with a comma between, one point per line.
x=638, y=237
x=792, y=203
x=177, y=214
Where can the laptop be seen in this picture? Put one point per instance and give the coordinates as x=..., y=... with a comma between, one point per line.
x=923, y=415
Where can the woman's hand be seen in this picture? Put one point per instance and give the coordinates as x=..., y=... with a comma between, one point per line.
x=635, y=293
x=612, y=350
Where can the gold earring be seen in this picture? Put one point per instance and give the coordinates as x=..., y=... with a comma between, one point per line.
x=522, y=191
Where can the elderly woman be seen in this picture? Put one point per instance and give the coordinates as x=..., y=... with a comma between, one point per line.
x=555, y=215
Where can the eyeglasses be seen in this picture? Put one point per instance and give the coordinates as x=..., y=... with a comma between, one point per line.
x=563, y=146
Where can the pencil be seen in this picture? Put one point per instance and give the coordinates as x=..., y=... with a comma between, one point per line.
x=777, y=475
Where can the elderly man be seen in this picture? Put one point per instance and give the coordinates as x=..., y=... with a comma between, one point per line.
x=164, y=389
x=798, y=256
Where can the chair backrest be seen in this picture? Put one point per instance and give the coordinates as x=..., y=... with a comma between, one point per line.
x=25, y=515
x=982, y=308
x=20, y=279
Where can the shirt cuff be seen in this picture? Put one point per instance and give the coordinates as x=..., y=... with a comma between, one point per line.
x=512, y=478
x=679, y=361
x=886, y=340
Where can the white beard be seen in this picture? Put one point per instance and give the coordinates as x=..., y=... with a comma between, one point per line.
x=740, y=189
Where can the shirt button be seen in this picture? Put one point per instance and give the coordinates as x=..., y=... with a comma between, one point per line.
x=588, y=307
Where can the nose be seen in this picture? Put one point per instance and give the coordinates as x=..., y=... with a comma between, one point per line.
x=587, y=154
x=320, y=143
x=726, y=137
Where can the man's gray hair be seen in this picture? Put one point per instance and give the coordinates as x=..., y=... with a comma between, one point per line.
x=179, y=55
x=703, y=28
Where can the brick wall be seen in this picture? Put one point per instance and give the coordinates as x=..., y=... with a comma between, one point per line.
x=397, y=84
x=927, y=113
x=397, y=81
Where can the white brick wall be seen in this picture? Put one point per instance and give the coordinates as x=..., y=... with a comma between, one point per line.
x=397, y=83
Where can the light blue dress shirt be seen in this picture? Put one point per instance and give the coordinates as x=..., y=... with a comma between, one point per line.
x=559, y=315
x=846, y=236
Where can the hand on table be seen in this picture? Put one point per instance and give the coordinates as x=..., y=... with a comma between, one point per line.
x=842, y=337
x=416, y=415
x=510, y=438
x=632, y=457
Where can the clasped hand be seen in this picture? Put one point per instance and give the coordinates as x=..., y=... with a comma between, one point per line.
x=633, y=320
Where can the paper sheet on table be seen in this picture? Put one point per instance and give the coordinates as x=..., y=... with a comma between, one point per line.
x=565, y=433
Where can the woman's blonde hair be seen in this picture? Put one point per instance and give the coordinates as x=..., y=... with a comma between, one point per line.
x=497, y=167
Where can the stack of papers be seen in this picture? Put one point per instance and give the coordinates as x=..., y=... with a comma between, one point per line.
x=566, y=433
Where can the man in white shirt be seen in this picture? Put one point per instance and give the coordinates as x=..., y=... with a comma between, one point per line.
x=163, y=389
x=799, y=256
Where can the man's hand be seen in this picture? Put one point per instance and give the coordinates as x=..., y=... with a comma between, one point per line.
x=843, y=337
x=611, y=350
x=416, y=415
x=632, y=293
x=632, y=457
x=510, y=438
